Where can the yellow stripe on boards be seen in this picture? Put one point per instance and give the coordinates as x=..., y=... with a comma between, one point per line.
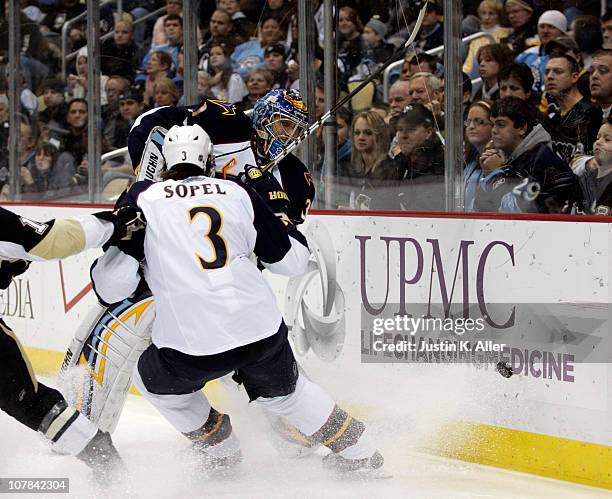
x=544, y=455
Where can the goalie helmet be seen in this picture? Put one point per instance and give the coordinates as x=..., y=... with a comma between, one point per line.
x=278, y=118
x=189, y=144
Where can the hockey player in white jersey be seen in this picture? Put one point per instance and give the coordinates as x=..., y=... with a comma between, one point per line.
x=215, y=312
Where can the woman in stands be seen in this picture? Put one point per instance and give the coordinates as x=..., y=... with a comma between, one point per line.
x=225, y=84
x=478, y=128
x=369, y=172
x=258, y=83
x=165, y=93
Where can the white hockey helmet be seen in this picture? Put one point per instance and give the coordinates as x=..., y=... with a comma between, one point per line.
x=188, y=144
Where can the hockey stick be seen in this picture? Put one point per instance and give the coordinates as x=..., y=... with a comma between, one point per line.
x=296, y=142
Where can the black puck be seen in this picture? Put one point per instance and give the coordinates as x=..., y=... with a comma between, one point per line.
x=504, y=368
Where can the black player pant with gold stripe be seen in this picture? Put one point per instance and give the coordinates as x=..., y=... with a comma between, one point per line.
x=21, y=395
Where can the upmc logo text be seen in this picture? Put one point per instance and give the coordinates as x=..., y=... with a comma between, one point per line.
x=414, y=273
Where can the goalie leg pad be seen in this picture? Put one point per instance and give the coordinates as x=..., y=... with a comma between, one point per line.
x=116, y=339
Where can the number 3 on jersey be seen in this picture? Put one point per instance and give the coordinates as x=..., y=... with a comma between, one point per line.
x=216, y=239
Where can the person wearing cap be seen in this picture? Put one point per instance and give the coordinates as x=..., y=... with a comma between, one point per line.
x=565, y=45
x=551, y=25
x=274, y=61
x=131, y=105
x=523, y=23
x=420, y=163
x=374, y=50
x=573, y=119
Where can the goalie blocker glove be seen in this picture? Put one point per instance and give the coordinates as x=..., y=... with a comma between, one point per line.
x=10, y=269
x=268, y=188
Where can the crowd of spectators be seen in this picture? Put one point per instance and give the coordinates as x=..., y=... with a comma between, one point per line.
x=537, y=95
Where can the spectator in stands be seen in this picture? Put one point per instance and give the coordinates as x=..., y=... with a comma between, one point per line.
x=565, y=45
x=573, y=118
x=219, y=32
x=595, y=173
x=586, y=31
x=522, y=155
x=375, y=50
x=551, y=24
x=259, y=82
x=75, y=143
x=110, y=113
x=158, y=67
x=425, y=88
x=606, y=28
x=399, y=97
x=120, y=55
x=281, y=9
x=274, y=61
x=27, y=152
x=490, y=14
x=174, y=33
x=250, y=55
x=242, y=27
x=165, y=93
x=36, y=59
x=349, y=43
x=524, y=28
x=50, y=176
x=173, y=7
x=601, y=80
x=516, y=80
x=431, y=34
x=368, y=170
x=131, y=106
x=420, y=164
x=55, y=107
x=76, y=86
x=421, y=63
x=59, y=12
x=225, y=84
x=491, y=60
x=478, y=127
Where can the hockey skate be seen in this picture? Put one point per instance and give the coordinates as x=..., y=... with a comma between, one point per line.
x=102, y=457
x=371, y=467
x=215, y=446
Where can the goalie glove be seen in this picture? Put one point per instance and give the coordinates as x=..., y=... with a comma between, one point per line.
x=126, y=220
x=270, y=190
x=10, y=269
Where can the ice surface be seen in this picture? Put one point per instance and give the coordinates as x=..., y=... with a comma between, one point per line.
x=158, y=464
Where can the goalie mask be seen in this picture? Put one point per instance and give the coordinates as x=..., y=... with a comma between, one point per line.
x=191, y=145
x=278, y=118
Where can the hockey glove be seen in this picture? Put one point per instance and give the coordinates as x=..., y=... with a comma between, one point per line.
x=126, y=220
x=10, y=269
x=266, y=185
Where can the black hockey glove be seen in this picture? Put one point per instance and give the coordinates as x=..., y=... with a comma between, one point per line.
x=266, y=185
x=127, y=220
x=10, y=269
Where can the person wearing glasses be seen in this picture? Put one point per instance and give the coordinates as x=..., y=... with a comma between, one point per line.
x=478, y=127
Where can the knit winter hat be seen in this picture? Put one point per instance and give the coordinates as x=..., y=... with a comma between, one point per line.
x=378, y=26
x=554, y=18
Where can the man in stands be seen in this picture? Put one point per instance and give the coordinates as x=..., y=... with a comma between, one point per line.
x=601, y=80
x=574, y=120
x=551, y=24
x=522, y=173
x=399, y=97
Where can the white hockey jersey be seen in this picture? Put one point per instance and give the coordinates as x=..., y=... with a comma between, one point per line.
x=200, y=238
